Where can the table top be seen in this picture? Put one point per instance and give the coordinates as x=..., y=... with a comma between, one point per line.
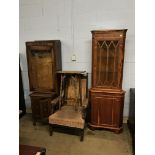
x=30, y=150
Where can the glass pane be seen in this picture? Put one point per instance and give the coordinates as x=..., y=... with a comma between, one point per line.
x=107, y=63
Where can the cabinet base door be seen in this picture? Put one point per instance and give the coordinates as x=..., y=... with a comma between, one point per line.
x=41, y=108
x=106, y=110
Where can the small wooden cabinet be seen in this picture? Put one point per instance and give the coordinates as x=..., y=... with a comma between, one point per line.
x=107, y=109
x=43, y=59
x=106, y=94
x=41, y=108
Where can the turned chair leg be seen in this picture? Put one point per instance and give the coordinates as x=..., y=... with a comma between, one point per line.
x=50, y=129
x=82, y=135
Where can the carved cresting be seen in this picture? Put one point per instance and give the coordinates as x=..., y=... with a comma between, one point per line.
x=107, y=58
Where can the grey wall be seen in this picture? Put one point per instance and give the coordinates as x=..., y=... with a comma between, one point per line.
x=71, y=22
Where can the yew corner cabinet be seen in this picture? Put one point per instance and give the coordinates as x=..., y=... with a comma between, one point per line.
x=106, y=94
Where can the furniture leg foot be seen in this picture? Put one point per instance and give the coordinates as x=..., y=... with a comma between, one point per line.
x=34, y=122
x=118, y=131
x=91, y=128
x=51, y=130
x=82, y=135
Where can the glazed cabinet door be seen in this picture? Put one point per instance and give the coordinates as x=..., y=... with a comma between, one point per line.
x=106, y=64
x=108, y=57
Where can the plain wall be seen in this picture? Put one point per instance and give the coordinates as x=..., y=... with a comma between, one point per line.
x=71, y=21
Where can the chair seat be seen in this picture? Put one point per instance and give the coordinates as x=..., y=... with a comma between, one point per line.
x=67, y=116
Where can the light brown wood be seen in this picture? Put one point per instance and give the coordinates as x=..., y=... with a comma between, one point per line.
x=106, y=94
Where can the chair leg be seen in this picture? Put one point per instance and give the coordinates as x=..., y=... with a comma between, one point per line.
x=50, y=129
x=34, y=122
x=82, y=135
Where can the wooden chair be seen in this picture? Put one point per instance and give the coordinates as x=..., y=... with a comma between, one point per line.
x=72, y=102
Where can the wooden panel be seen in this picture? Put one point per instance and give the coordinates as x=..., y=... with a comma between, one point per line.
x=44, y=59
x=40, y=105
x=35, y=105
x=107, y=109
x=42, y=70
x=118, y=112
x=94, y=111
x=72, y=89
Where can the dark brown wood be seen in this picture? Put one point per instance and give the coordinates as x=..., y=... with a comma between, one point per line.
x=73, y=93
x=41, y=108
x=43, y=59
x=31, y=150
x=131, y=119
x=50, y=129
x=22, y=106
x=82, y=135
x=106, y=94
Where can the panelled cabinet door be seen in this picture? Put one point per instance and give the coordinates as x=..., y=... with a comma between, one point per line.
x=45, y=108
x=106, y=110
x=95, y=104
x=118, y=113
x=35, y=105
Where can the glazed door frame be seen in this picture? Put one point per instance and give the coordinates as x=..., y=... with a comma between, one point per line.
x=95, y=61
